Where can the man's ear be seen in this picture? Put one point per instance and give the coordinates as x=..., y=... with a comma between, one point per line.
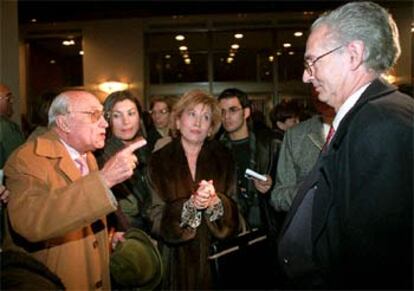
x=62, y=123
x=246, y=112
x=356, y=53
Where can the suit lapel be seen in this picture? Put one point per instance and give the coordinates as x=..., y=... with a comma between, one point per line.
x=375, y=90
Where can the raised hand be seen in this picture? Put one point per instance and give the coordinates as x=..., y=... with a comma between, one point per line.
x=121, y=166
x=205, y=195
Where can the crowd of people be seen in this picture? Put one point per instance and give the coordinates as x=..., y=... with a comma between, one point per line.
x=110, y=196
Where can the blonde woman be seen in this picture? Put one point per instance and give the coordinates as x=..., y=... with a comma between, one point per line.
x=192, y=180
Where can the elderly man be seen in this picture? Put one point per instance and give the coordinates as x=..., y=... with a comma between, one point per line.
x=10, y=134
x=59, y=198
x=351, y=223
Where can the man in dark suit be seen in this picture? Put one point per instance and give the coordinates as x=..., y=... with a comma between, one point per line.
x=350, y=225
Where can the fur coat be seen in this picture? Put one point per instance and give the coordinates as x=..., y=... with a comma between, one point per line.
x=185, y=249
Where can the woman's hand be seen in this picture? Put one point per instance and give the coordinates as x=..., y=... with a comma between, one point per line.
x=205, y=195
x=115, y=237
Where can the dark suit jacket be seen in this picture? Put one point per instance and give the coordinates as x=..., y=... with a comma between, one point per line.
x=362, y=223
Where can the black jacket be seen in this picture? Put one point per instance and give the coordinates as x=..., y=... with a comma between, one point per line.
x=362, y=222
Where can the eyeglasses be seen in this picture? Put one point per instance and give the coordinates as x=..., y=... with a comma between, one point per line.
x=162, y=112
x=232, y=110
x=94, y=115
x=309, y=64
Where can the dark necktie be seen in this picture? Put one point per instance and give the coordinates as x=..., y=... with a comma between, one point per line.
x=329, y=137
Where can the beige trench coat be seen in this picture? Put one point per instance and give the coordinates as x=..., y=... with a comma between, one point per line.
x=57, y=215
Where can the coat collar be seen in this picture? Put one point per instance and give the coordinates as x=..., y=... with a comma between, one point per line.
x=49, y=145
x=375, y=90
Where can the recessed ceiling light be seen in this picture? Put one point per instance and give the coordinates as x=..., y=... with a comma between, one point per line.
x=291, y=53
x=167, y=56
x=238, y=35
x=230, y=60
x=81, y=53
x=183, y=48
x=286, y=44
x=232, y=54
x=235, y=46
x=298, y=33
x=279, y=53
x=68, y=42
x=271, y=58
x=187, y=61
x=179, y=37
x=185, y=56
x=52, y=62
x=33, y=20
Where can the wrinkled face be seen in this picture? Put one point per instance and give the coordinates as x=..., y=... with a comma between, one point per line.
x=233, y=115
x=6, y=101
x=329, y=73
x=85, y=124
x=195, y=124
x=125, y=120
x=160, y=115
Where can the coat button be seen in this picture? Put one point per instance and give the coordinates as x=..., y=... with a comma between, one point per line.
x=98, y=284
x=285, y=260
x=95, y=244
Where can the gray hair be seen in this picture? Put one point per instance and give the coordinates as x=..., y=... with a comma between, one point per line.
x=369, y=23
x=59, y=106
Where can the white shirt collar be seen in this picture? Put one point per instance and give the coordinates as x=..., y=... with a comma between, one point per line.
x=347, y=106
x=74, y=154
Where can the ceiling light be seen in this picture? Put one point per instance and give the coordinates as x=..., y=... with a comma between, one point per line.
x=286, y=44
x=235, y=46
x=298, y=33
x=271, y=58
x=183, y=48
x=185, y=56
x=52, y=62
x=167, y=56
x=81, y=53
x=34, y=20
x=279, y=53
x=230, y=60
x=238, y=35
x=68, y=42
x=180, y=37
x=112, y=86
x=232, y=54
x=187, y=61
x=291, y=53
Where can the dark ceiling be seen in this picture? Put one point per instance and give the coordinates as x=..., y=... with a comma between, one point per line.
x=58, y=11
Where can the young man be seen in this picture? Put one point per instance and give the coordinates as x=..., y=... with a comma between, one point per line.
x=256, y=151
x=351, y=223
x=253, y=150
